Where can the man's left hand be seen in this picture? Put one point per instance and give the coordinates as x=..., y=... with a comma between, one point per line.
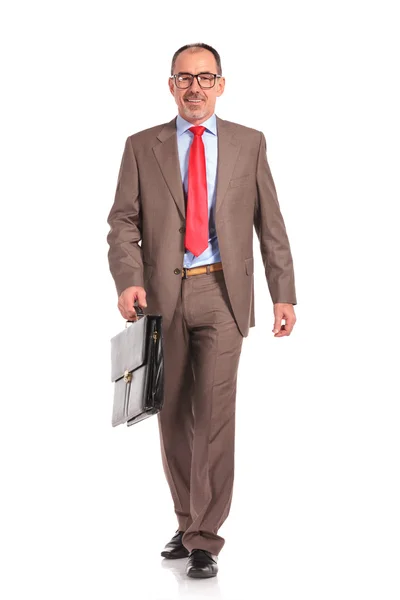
x=285, y=311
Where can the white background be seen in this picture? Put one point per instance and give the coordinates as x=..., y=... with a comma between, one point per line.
x=85, y=507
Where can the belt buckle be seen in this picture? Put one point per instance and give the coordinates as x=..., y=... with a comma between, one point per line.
x=184, y=269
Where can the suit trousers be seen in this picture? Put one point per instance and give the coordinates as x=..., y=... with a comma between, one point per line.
x=202, y=349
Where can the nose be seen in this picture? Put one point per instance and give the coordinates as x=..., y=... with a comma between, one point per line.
x=195, y=85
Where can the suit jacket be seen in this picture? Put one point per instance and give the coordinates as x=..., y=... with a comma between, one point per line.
x=147, y=220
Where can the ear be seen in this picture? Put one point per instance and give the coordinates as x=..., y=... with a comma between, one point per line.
x=171, y=85
x=221, y=86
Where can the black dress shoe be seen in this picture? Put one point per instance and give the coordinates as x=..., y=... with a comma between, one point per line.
x=201, y=563
x=175, y=548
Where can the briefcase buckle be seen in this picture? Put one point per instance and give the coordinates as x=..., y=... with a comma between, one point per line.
x=127, y=376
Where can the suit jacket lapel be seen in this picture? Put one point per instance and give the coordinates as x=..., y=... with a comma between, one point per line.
x=167, y=157
x=228, y=151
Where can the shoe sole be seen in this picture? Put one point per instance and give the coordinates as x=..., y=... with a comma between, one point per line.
x=201, y=575
x=174, y=556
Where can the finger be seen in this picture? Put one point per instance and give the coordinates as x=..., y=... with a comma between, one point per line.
x=277, y=323
x=127, y=313
x=130, y=308
x=141, y=298
x=282, y=333
x=290, y=321
x=131, y=314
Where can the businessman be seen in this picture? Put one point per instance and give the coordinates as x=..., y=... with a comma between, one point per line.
x=189, y=194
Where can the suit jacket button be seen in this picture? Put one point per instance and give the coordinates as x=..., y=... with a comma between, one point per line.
x=182, y=230
x=177, y=271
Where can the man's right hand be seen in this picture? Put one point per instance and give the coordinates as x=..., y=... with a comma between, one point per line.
x=127, y=299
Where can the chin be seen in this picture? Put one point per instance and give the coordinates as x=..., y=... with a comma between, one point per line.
x=194, y=113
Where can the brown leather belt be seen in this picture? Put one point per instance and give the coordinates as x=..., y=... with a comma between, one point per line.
x=201, y=270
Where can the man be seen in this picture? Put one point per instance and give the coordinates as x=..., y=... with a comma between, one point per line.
x=191, y=191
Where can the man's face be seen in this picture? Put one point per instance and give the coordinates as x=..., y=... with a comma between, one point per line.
x=201, y=61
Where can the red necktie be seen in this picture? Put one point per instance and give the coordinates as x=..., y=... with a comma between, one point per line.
x=196, y=237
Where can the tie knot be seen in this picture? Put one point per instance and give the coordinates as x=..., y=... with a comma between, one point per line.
x=197, y=129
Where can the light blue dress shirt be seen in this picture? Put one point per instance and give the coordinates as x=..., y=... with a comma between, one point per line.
x=210, y=139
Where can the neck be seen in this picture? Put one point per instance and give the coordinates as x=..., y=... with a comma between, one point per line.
x=195, y=121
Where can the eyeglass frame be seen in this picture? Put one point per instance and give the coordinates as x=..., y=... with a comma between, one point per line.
x=197, y=77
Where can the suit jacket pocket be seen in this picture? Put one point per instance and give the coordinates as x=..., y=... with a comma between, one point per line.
x=244, y=180
x=249, y=264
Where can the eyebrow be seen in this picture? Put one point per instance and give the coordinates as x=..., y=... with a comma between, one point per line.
x=201, y=73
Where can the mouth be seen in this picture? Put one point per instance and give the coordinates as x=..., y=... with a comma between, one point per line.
x=194, y=101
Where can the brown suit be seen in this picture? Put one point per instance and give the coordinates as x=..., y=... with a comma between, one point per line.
x=205, y=316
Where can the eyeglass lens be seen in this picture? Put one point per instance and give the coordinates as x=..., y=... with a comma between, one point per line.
x=184, y=80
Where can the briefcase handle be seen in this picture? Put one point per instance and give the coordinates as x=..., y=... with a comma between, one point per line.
x=139, y=313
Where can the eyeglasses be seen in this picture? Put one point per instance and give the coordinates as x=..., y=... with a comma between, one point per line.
x=185, y=80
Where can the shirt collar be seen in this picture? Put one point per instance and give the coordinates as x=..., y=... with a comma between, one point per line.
x=182, y=125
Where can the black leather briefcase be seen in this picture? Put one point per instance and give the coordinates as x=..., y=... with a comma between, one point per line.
x=137, y=369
